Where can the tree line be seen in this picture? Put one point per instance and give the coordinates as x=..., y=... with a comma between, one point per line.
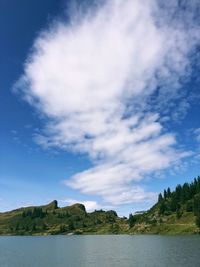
x=186, y=196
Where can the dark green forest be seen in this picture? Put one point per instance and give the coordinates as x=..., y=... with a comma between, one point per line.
x=178, y=208
x=187, y=195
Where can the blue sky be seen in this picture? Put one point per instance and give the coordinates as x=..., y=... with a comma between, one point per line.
x=99, y=104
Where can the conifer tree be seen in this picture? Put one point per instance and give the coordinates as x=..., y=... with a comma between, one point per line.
x=160, y=198
x=168, y=192
x=165, y=194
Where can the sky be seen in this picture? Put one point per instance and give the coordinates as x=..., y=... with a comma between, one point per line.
x=99, y=101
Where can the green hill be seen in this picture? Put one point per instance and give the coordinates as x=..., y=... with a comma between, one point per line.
x=50, y=219
x=176, y=212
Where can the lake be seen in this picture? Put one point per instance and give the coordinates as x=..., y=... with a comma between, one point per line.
x=100, y=251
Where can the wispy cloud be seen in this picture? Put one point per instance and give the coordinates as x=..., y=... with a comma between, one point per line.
x=105, y=81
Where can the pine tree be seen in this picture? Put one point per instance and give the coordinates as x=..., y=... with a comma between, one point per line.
x=178, y=193
x=173, y=202
x=165, y=194
x=168, y=192
x=190, y=205
x=160, y=198
x=163, y=208
x=185, y=193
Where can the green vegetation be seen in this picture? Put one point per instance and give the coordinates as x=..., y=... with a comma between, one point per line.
x=176, y=212
x=52, y=220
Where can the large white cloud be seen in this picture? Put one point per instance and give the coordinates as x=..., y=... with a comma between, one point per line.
x=104, y=82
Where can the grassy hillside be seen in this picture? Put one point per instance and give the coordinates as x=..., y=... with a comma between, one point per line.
x=176, y=212
x=51, y=219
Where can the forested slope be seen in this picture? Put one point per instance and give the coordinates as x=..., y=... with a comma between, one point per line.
x=175, y=212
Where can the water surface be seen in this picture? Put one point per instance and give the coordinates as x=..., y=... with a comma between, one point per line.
x=100, y=251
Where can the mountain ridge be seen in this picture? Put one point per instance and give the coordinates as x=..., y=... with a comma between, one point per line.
x=176, y=212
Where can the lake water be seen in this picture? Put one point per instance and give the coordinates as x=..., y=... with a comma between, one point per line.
x=100, y=251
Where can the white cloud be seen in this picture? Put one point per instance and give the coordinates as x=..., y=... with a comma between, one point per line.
x=90, y=205
x=104, y=82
